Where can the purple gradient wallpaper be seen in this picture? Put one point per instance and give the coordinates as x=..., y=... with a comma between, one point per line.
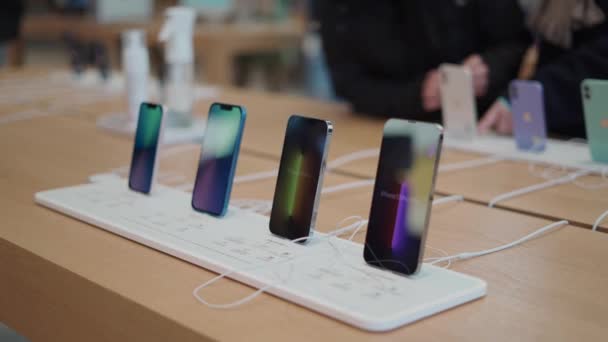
x=401, y=200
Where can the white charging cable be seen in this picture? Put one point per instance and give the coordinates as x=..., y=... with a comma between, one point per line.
x=448, y=199
x=468, y=164
x=469, y=255
x=537, y=187
x=550, y=173
x=594, y=186
x=348, y=186
x=354, y=156
x=599, y=220
x=256, y=176
x=264, y=288
x=433, y=261
x=355, y=227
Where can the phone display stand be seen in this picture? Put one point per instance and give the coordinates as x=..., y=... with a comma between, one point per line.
x=118, y=124
x=560, y=153
x=327, y=275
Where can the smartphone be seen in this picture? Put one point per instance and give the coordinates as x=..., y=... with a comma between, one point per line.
x=403, y=195
x=300, y=178
x=145, y=147
x=528, y=108
x=459, y=110
x=595, y=104
x=217, y=163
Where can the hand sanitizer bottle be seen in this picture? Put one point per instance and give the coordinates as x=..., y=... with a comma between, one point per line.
x=177, y=34
x=136, y=67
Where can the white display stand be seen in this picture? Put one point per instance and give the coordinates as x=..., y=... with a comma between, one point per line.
x=327, y=275
x=561, y=153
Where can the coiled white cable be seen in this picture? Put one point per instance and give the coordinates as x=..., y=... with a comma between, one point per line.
x=355, y=227
x=264, y=288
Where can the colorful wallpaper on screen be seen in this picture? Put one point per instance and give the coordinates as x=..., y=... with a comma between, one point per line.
x=145, y=147
x=299, y=171
x=219, y=153
x=401, y=196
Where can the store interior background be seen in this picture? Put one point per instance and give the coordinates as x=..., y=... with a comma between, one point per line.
x=295, y=65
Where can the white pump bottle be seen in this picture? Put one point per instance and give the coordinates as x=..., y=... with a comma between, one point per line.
x=177, y=33
x=136, y=67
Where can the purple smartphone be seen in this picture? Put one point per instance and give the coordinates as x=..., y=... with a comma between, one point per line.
x=528, y=108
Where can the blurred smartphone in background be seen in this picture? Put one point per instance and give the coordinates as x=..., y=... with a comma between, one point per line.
x=148, y=136
x=528, y=108
x=595, y=103
x=459, y=111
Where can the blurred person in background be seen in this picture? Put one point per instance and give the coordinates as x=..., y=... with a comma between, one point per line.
x=384, y=55
x=11, y=12
x=571, y=45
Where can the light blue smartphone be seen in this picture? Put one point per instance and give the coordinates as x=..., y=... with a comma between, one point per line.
x=528, y=108
x=595, y=102
x=219, y=155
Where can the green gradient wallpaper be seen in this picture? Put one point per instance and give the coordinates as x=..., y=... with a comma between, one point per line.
x=295, y=196
x=147, y=136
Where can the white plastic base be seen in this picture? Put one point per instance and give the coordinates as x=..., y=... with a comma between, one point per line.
x=327, y=275
x=560, y=153
x=118, y=124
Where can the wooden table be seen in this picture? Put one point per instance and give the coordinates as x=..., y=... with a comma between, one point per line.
x=216, y=45
x=66, y=280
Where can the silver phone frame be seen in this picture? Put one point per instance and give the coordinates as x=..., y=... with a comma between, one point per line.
x=315, y=207
x=427, y=218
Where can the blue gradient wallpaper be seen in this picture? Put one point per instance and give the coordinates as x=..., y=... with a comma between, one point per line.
x=145, y=147
x=402, y=195
x=299, y=171
x=217, y=164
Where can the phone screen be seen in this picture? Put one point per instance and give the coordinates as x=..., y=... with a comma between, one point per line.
x=300, y=176
x=402, y=195
x=217, y=164
x=147, y=137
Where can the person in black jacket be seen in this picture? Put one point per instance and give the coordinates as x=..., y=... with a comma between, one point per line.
x=11, y=12
x=572, y=46
x=383, y=55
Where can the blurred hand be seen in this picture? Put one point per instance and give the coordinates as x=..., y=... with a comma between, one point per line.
x=498, y=118
x=431, y=100
x=480, y=71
